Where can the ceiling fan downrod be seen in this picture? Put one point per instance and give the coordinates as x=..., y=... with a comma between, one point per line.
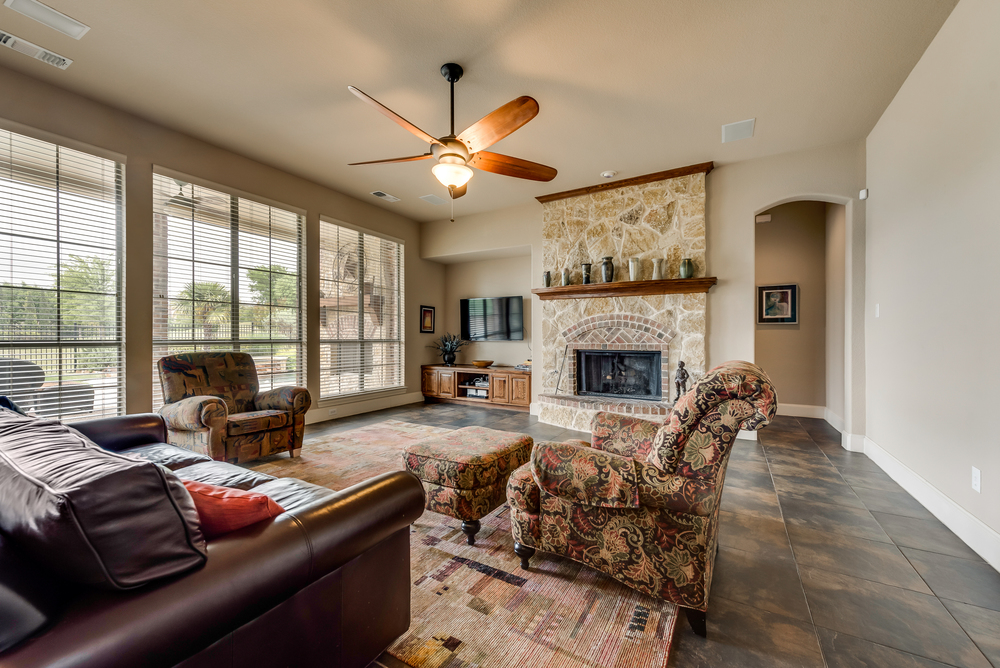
x=452, y=72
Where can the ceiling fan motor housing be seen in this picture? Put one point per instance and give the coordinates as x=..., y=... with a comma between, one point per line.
x=450, y=150
x=452, y=72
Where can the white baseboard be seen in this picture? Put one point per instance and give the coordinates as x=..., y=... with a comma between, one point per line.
x=801, y=410
x=535, y=408
x=852, y=442
x=835, y=420
x=973, y=531
x=747, y=435
x=321, y=413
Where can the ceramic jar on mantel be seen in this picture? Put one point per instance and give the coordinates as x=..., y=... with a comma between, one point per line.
x=687, y=268
x=634, y=269
x=607, y=269
x=565, y=276
x=585, y=273
x=657, y=269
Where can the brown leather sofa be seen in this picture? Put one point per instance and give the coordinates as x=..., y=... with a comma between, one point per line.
x=326, y=583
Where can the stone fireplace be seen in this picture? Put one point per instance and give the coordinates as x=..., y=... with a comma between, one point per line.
x=658, y=219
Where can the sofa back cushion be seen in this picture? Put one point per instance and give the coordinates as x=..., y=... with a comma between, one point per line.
x=92, y=516
x=230, y=376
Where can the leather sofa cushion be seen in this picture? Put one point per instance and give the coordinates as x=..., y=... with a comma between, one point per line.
x=28, y=599
x=166, y=455
x=292, y=493
x=254, y=421
x=92, y=516
x=223, y=509
x=223, y=475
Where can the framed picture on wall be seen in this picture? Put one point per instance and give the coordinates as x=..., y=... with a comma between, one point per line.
x=426, y=319
x=777, y=304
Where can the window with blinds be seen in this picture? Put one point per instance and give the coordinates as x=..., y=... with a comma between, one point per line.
x=361, y=312
x=227, y=276
x=61, y=280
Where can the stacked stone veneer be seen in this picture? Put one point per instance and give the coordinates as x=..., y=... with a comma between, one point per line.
x=663, y=219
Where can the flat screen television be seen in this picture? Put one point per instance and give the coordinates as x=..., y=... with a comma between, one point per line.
x=493, y=319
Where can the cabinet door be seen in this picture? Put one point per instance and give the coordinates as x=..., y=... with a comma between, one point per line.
x=446, y=384
x=429, y=383
x=520, y=390
x=499, y=388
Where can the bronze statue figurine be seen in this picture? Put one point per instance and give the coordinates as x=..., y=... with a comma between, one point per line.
x=681, y=380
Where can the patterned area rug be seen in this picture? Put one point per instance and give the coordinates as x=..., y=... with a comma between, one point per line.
x=474, y=606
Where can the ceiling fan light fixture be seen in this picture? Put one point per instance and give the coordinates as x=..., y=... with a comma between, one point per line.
x=452, y=175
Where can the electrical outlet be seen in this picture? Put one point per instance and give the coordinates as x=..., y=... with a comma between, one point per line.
x=977, y=479
x=332, y=411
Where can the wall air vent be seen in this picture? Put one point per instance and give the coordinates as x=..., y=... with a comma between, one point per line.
x=433, y=199
x=384, y=196
x=34, y=51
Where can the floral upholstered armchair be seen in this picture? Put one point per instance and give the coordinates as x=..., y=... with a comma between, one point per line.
x=641, y=502
x=214, y=406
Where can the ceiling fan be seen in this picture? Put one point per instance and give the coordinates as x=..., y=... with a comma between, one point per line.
x=455, y=155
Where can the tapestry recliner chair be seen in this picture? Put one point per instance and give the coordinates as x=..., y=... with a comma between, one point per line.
x=214, y=406
x=641, y=502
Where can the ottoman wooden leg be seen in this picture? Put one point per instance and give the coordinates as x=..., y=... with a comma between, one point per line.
x=524, y=552
x=470, y=528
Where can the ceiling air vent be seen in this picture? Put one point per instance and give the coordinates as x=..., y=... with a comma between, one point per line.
x=33, y=50
x=737, y=131
x=433, y=199
x=386, y=196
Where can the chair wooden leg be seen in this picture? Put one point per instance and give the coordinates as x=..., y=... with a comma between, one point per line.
x=470, y=528
x=696, y=618
x=294, y=453
x=524, y=552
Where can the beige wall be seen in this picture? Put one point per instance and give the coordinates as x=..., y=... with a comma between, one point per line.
x=791, y=249
x=933, y=269
x=503, y=277
x=738, y=191
x=43, y=107
x=836, y=222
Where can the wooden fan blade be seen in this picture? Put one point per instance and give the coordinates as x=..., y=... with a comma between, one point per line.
x=459, y=191
x=378, y=162
x=386, y=111
x=497, y=124
x=508, y=166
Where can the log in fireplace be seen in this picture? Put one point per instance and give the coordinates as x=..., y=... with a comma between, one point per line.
x=618, y=373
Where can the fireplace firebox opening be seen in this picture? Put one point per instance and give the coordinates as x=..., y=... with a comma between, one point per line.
x=624, y=374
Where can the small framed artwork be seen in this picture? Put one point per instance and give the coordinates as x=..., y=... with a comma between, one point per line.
x=426, y=319
x=777, y=304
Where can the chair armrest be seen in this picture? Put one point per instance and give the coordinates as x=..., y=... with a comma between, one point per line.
x=195, y=413
x=623, y=435
x=660, y=489
x=585, y=475
x=296, y=400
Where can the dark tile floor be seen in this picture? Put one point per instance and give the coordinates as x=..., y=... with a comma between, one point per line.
x=823, y=561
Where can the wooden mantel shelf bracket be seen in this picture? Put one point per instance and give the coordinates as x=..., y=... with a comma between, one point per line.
x=670, y=286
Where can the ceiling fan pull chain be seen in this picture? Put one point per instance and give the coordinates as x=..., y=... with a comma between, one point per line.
x=451, y=191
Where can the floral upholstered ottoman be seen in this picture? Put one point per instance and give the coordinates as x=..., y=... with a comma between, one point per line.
x=465, y=471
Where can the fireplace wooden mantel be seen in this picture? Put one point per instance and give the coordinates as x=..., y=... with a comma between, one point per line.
x=670, y=286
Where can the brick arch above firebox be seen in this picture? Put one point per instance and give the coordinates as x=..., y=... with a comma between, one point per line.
x=605, y=328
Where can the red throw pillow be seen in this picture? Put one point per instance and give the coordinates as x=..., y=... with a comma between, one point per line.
x=223, y=509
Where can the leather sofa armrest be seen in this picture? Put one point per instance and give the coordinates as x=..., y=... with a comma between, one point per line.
x=248, y=572
x=125, y=431
x=295, y=400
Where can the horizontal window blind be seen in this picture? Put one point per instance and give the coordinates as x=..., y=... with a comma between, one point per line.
x=361, y=312
x=61, y=280
x=227, y=276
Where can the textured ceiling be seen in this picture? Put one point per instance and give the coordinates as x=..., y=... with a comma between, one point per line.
x=635, y=86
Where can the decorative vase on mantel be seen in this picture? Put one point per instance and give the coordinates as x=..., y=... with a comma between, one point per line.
x=657, y=269
x=687, y=268
x=634, y=269
x=607, y=269
x=585, y=273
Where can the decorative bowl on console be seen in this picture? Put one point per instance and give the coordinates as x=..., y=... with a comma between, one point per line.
x=481, y=364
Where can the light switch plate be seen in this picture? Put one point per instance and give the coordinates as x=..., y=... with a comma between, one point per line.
x=977, y=479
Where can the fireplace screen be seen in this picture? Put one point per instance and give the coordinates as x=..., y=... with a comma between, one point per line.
x=623, y=374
